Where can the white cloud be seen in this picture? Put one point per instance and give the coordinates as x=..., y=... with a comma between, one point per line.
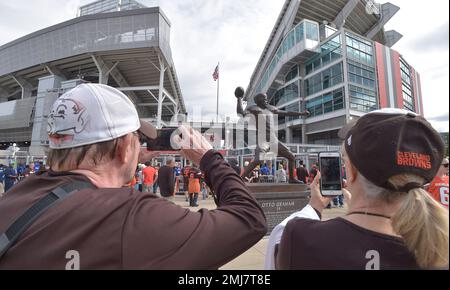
x=235, y=32
x=204, y=33
x=425, y=46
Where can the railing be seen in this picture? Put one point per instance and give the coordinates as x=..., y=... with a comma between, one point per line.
x=306, y=33
x=24, y=157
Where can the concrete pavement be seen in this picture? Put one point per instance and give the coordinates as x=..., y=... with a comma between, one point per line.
x=253, y=258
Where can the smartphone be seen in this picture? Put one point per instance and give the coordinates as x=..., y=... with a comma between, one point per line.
x=330, y=172
x=163, y=140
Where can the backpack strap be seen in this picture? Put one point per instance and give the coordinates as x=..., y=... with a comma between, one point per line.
x=21, y=224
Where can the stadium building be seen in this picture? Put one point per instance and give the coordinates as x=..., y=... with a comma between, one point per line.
x=334, y=59
x=116, y=42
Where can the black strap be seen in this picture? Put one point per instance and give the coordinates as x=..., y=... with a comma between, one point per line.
x=370, y=214
x=21, y=224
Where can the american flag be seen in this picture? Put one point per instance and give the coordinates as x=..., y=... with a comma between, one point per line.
x=216, y=73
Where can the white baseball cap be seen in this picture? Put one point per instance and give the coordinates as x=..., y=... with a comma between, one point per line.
x=93, y=113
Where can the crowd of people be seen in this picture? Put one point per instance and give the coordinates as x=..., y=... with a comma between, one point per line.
x=190, y=180
x=96, y=201
x=267, y=173
x=170, y=179
x=11, y=174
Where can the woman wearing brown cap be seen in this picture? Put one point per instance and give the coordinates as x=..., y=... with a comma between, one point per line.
x=392, y=222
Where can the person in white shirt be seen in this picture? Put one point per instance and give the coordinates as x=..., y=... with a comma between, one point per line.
x=281, y=174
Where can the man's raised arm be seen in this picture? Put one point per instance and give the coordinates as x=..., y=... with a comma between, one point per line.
x=195, y=240
x=287, y=113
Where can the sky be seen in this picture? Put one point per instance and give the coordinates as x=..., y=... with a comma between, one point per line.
x=234, y=33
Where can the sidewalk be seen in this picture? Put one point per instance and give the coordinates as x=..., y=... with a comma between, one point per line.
x=253, y=259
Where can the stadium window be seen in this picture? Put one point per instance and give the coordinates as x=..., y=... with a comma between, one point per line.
x=309, y=68
x=299, y=32
x=326, y=103
x=312, y=31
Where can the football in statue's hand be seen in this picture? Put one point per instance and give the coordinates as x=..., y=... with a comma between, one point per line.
x=239, y=92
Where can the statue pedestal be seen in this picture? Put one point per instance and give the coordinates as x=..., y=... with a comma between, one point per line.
x=279, y=200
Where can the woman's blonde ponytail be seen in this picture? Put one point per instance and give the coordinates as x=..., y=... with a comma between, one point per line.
x=423, y=223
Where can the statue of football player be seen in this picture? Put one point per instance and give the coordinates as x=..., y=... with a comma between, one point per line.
x=263, y=108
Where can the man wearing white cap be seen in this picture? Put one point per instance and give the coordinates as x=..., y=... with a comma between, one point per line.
x=79, y=215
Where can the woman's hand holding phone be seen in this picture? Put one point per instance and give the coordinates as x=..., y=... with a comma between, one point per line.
x=318, y=201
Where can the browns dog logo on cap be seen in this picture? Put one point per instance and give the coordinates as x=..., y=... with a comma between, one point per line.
x=67, y=118
x=413, y=159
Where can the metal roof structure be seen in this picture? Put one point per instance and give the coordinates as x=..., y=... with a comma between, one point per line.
x=128, y=49
x=130, y=46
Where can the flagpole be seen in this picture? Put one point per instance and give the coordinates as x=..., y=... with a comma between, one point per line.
x=217, y=102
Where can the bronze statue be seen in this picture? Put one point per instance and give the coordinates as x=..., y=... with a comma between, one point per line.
x=263, y=108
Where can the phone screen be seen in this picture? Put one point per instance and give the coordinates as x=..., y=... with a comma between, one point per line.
x=330, y=170
x=162, y=142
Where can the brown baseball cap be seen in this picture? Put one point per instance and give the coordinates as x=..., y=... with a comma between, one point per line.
x=389, y=142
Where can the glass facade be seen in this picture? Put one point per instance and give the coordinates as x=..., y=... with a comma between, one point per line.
x=359, y=49
x=326, y=103
x=296, y=136
x=292, y=74
x=295, y=107
x=312, y=34
x=322, y=88
x=330, y=51
x=286, y=94
x=325, y=138
x=325, y=79
x=105, y=6
x=83, y=36
x=361, y=74
x=306, y=32
x=363, y=100
x=408, y=97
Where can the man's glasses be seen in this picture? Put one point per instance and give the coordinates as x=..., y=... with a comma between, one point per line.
x=142, y=138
